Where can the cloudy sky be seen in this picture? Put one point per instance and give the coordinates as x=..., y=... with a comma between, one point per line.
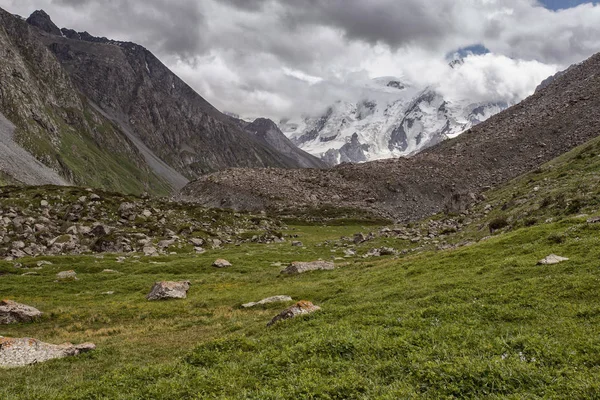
x=281, y=58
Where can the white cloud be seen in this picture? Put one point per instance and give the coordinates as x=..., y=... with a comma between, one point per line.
x=287, y=57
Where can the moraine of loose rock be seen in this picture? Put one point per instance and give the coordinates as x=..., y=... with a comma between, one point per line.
x=169, y=290
x=19, y=352
x=221, y=263
x=552, y=259
x=298, y=267
x=12, y=312
x=273, y=299
x=300, y=308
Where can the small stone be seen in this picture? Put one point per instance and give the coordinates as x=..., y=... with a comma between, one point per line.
x=42, y=263
x=44, y=203
x=274, y=299
x=221, y=263
x=169, y=290
x=300, y=308
x=197, y=242
x=199, y=250
x=67, y=276
x=552, y=259
x=298, y=267
x=108, y=293
x=12, y=312
x=150, y=251
x=110, y=271
x=95, y=197
x=296, y=243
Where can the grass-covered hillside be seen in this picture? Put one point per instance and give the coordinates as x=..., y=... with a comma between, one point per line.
x=463, y=310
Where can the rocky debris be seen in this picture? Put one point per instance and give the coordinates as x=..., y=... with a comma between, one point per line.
x=65, y=276
x=221, y=263
x=300, y=308
x=12, y=313
x=68, y=226
x=552, y=259
x=384, y=251
x=19, y=352
x=169, y=290
x=349, y=253
x=298, y=267
x=268, y=300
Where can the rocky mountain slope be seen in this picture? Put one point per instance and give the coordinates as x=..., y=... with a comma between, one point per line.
x=394, y=119
x=52, y=124
x=447, y=176
x=147, y=101
x=269, y=133
x=77, y=100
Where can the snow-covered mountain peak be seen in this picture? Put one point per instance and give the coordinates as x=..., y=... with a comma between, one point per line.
x=393, y=118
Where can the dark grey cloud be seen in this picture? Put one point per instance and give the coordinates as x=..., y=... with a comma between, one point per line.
x=169, y=27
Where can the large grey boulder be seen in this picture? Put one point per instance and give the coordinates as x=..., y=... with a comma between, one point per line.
x=221, y=263
x=25, y=351
x=300, y=308
x=298, y=267
x=273, y=299
x=65, y=276
x=169, y=290
x=12, y=312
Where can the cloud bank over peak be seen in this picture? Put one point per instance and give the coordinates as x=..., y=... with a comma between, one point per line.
x=281, y=58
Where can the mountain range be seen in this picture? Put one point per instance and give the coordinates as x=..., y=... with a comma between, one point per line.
x=394, y=119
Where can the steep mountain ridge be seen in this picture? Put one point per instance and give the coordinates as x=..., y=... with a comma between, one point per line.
x=141, y=95
x=447, y=176
x=394, y=119
x=56, y=125
x=267, y=131
x=78, y=101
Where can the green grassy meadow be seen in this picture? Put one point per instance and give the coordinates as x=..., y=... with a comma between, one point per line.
x=483, y=321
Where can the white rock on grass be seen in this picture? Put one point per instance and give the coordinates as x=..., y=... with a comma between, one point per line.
x=552, y=259
x=298, y=267
x=12, y=312
x=67, y=276
x=273, y=299
x=25, y=351
x=169, y=290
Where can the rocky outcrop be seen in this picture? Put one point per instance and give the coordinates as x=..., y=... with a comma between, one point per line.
x=169, y=290
x=25, y=351
x=300, y=308
x=447, y=176
x=298, y=267
x=12, y=312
